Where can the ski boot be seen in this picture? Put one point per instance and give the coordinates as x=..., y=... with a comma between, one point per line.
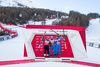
x=51, y=56
x=59, y=56
x=55, y=56
x=44, y=54
x=47, y=55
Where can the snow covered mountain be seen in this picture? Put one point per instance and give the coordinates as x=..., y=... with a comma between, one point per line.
x=19, y=3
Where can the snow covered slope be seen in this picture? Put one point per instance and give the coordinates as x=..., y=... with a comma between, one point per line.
x=20, y=3
x=48, y=22
x=12, y=49
x=93, y=31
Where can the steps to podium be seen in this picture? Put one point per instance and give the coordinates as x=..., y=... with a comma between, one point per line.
x=52, y=59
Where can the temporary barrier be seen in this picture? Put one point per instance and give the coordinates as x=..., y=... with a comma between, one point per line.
x=6, y=37
x=93, y=44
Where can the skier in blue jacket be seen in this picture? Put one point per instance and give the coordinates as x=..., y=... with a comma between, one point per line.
x=52, y=46
x=58, y=45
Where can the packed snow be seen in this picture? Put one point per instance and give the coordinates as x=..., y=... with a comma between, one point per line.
x=93, y=31
x=45, y=64
x=13, y=49
x=47, y=22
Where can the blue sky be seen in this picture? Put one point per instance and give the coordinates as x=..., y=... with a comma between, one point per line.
x=82, y=6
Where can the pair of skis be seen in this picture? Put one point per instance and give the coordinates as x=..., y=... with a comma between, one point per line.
x=57, y=35
x=60, y=36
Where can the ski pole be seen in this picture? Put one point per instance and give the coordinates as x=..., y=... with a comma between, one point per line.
x=42, y=38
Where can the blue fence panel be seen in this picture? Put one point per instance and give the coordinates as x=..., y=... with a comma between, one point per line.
x=99, y=46
x=1, y=39
x=91, y=44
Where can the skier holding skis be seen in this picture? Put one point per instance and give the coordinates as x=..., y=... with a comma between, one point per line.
x=57, y=41
x=46, y=43
x=46, y=46
x=58, y=45
x=52, y=46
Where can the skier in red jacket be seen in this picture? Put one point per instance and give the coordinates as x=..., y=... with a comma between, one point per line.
x=46, y=46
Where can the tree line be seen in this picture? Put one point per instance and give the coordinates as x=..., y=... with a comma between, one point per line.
x=18, y=15
x=77, y=19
